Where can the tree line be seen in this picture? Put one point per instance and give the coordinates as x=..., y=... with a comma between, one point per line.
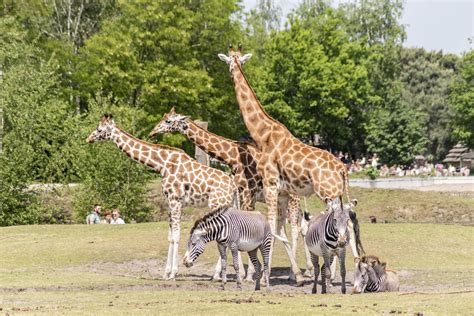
x=338, y=72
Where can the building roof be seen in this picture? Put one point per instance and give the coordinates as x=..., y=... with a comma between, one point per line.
x=454, y=155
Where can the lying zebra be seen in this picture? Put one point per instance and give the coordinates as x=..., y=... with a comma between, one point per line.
x=371, y=275
x=327, y=236
x=239, y=230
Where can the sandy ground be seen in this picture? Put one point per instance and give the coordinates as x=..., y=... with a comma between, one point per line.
x=198, y=277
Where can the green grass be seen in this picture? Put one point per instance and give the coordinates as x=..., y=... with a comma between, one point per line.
x=116, y=269
x=387, y=205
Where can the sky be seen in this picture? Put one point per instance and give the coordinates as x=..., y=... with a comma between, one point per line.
x=443, y=25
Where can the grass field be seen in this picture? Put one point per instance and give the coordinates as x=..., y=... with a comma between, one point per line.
x=116, y=269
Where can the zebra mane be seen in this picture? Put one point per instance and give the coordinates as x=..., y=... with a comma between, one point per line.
x=210, y=215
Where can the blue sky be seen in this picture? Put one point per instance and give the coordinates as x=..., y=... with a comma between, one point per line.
x=432, y=24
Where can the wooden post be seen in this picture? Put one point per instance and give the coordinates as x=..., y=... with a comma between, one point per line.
x=200, y=154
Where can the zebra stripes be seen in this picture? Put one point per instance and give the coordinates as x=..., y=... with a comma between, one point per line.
x=327, y=236
x=238, y=230
x=370, y=275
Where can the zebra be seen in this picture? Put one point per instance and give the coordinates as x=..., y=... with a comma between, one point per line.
x=238, y=230
x=327, y=236
x=371, y=275
x=354, y=240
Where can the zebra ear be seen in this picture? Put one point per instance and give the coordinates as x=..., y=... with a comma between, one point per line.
x=353, y=202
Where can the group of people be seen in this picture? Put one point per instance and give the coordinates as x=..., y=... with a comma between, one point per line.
x=415, y=169
x=110, y=217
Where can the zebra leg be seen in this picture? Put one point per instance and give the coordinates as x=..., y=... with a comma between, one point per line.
x=256, y=264
x=325, y=272
x=342, y=262
x=265, y=249
x=235, y=257
x=333, y=271
x=223, y=253
x=315, y=261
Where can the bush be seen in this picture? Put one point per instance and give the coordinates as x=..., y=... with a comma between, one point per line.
x=372, y=173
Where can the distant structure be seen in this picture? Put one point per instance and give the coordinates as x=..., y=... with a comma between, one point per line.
x=459, y=156
x=200, y=154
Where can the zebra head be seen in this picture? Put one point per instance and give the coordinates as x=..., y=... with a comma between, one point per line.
x=361, y=276
x=196, y=244
x=340, y=217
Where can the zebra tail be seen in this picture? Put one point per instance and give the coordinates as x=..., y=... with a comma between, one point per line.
x=353, y=217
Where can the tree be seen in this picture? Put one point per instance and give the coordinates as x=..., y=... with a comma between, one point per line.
x=427, y=77
x=316, y=81
x=396, y=135
x=462, y=99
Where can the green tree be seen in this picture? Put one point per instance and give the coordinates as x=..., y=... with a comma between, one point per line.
x=316, y=81
x=427, y=77
x=462, y=99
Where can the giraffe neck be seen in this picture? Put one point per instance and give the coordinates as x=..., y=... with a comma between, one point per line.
x=216, y=146
x=257, y=121
x=151, y=155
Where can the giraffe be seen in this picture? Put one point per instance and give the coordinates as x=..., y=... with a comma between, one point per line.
x=288, y=166
x=242, y=157
x=184, y=181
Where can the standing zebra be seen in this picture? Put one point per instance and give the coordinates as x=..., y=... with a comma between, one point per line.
x=327, y=236
x=239, y=230
x=371, y=275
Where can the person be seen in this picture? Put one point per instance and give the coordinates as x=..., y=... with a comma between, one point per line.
x=107, y=217
x=375, y=161
x=116, y=217
x=94, y=216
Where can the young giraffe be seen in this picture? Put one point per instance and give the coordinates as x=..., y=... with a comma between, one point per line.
x=242, y=157
x=288, y=166
x=184, y=180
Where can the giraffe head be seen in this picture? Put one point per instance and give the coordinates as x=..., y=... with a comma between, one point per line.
x=171, y=122
x=103, y=130
x=341, y=220
x=234, y=58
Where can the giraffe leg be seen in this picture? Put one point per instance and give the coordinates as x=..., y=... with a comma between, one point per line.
x=271, y=199
x=293, y=211
x=175, y=236
x=309, y=265
x=282, y=206
x=169, y=261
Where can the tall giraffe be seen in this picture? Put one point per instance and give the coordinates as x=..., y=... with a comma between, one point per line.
x=184, y=181
x=242, y=157
x=288, y=166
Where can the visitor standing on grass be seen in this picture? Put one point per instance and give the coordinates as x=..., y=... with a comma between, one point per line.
x=116, y=217
x=94, y=216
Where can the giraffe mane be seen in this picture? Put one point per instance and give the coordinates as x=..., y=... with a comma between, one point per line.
x=258, y=101
x=209, y=215
x=162, y=146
